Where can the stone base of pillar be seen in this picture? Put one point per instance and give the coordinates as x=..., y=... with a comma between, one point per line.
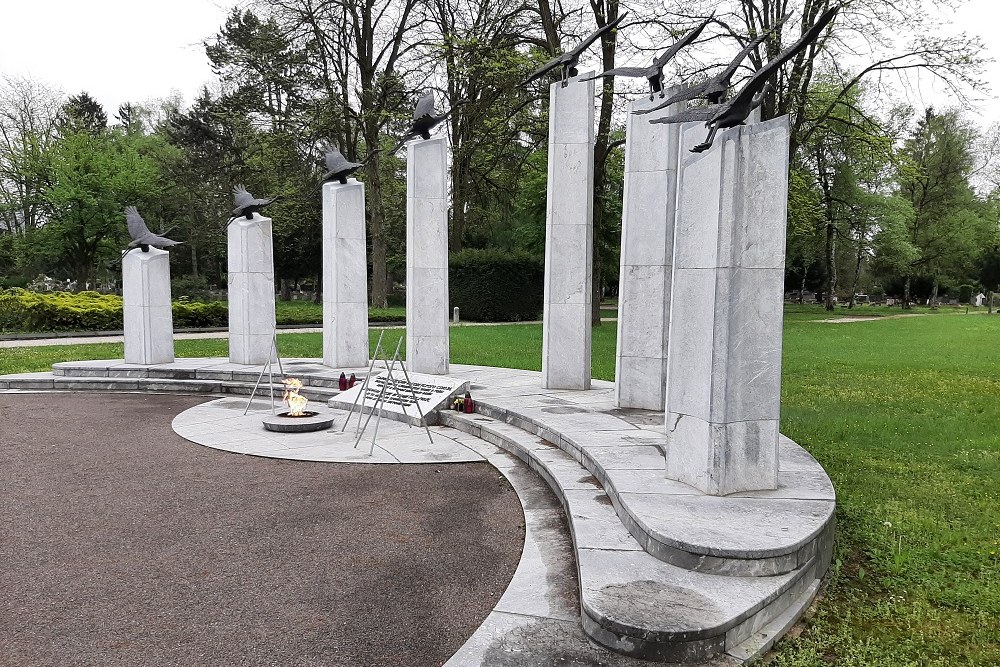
x=345, y=276
x=427, y=343
x=251, y=290
x=148, y=318
x=569, y=234
x=724, y=376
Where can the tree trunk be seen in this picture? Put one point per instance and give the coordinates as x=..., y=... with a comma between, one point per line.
x=608, y=42
x=376, y=232
x=906, y=293
x=831, y=265
x=989, y=302
x=194, y=260
x=802, y=291
x=857, y=275
x=286, y=290
x=934, y=295
x=318, y=293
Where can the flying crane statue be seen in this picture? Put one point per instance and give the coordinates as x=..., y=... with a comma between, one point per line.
x=654, y=73
x=714, y=89
x=735, y=111
x=570, y=59
x=142, y=238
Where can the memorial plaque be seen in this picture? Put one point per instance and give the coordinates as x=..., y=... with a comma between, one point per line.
x=399, y=399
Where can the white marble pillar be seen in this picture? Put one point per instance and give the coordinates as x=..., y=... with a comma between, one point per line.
x=724, y=376
x=569, y=234
x=148, y=318
x=345, y=276
x=251, y=290
x=647, y=248
x=427, y=346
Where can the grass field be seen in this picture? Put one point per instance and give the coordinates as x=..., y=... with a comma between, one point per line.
x=903, y=413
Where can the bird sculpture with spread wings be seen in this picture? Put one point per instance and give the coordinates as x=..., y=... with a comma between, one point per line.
x=425, y=119
x=654, y=73
x=246, y=203
x=142, y=238
x=569, y=60
x=715, y=88
x=338, y=168
x=736, y=111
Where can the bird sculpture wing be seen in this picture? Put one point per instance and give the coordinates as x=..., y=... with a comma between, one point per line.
x=642, y=72
x=594, y=36
x=544, y=69
x=726, y=74
x=425, y=106
x=334, y=158
x=691, y=115
x=137, y=228
x=688, y=37
x=756, y=83
x=687, y=93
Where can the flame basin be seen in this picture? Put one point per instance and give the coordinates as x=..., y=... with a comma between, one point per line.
x=306, y=423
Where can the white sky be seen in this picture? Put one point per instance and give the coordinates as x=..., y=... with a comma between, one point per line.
x=116, y=50
x=136, y=50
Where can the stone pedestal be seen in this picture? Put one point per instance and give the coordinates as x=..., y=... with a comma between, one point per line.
x=724, y=376
x=427, y=346
x=649, y=204
x=345, y=276
x=251, y=290
x=148, y=318
x=569, y=233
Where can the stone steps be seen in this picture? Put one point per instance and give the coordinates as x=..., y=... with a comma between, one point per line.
x=637, y=604
x=754, y=533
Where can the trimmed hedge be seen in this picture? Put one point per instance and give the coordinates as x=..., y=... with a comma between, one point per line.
x=24, y=311
x=496, y=286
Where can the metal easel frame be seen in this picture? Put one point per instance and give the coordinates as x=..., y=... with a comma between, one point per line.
x=268, y=368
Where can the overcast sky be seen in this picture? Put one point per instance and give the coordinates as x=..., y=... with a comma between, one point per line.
x=136, y=50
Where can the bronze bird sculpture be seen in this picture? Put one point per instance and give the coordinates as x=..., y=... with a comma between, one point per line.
x=425, y=119
x=736, y=111
x=246, y=203
x=338, y=167
x=569, y=60
x=654, y=73
x=142, y=238
x=715, y=88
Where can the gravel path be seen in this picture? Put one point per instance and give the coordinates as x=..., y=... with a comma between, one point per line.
x=123, y=544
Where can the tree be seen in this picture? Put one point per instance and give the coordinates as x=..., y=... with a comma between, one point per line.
x=945, y=227
x=93, y=176
x=28, y=127
x=82, y=113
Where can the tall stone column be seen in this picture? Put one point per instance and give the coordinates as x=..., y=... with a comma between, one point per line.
x=251, y=290
x=649, y=205
x=345, y=276
x=148, y=318
x=724, y=377
x=427, y=345
x=569, y=234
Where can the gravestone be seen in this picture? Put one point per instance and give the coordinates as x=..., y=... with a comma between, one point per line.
x=724, y=348
x=251, y=290
x=569, y=233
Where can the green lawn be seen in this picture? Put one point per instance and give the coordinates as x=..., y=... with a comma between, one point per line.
x=903, y=413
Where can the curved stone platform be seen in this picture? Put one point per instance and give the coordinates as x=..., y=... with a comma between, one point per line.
x=665, y=572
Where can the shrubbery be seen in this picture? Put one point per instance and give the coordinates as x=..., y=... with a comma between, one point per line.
x=68, y=311
x=496, y=286
x=24, y=311
x=194, y=314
